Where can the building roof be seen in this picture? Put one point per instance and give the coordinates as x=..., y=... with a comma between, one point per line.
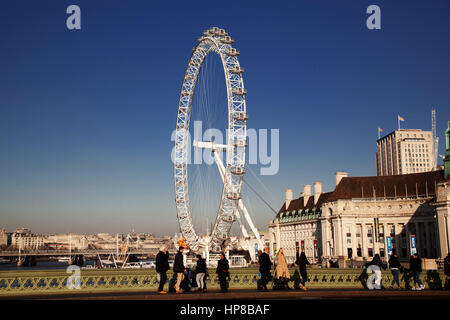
x=298, y=204
x=406, y=185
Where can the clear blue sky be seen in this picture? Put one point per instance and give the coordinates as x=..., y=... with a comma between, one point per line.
x=86, y=116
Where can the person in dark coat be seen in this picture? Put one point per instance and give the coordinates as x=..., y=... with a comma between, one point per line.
x=178, y=268
x=222, y=271
x=200, y=271
x=375, y=266
x=415, y=265
x=302, y=262
x=265, y=268
x=447, y=265
x=395, y=266
x=162, y=265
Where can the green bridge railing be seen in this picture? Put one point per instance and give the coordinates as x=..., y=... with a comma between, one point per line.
x=48, y=282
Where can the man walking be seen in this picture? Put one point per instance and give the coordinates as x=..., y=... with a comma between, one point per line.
x=265, y=268
x=395, y=266
x=302, y=262
x=178, y=268
x=162, y=265
x=222, y=271
x=375, y=266
x=415, y=265
x=200, y=271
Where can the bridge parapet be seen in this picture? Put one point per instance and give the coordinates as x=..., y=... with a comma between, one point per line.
x=49, y=282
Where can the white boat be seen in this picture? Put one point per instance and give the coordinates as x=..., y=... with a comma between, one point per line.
x=139, y=265
x=63, y=259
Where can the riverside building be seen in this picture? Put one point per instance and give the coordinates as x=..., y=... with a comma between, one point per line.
x=362, y=215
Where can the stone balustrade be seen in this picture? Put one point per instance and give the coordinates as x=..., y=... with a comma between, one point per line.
x=46, y=282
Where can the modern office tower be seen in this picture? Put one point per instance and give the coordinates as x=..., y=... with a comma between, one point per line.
x=405, y=151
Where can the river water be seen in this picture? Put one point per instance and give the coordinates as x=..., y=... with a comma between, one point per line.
x=41, y=265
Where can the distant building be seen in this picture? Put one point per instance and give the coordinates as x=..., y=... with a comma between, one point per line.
x=405, y=151
x=5, y=238
x=24, y=239
x=67, y=241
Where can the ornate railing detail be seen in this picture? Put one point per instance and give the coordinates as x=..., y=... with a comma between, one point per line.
x=20, y=283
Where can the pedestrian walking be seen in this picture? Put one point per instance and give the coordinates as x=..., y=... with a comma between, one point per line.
x=302, y=262
x=447, y=265
x=162, y=265
x=415, y=265
x=265, y=268
x=178, y=268
x=282, y=272
x=200, y=270
x=395, y=266
x=375, y=267
x=447, y=271
x=222, y=272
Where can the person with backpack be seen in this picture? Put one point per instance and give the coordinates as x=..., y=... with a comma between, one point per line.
x=162, y=265
x=200, y=270
x=395, y=266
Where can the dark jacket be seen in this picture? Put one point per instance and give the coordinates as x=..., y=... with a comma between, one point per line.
x=162, y=261
x=264, y=263
x=222, y=267
x=178, y=265
x=201, y=266
x=376, y=261
x=394, y=263
x=447, y=265
x=415, y=264
x=302, y=262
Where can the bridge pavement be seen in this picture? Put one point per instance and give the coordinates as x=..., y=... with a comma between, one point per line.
x=247, y=294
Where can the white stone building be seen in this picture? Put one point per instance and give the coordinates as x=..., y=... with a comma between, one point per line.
x=354, y=220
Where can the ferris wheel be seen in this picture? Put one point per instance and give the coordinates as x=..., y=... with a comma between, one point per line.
x=214, y=40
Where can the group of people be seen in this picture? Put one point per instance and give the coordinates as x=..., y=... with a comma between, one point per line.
x=183, y=274
x=281, y=275
x=414, y=271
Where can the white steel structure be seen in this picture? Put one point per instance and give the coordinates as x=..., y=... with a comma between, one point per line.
x=214, y=40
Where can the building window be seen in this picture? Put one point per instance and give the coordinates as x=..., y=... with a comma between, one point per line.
x=370, y=252
x=349, y=236
x=359, y=251
x=369, y=234
x=381, y=233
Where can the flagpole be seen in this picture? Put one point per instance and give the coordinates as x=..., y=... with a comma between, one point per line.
x=398, y=119
x=378, y=133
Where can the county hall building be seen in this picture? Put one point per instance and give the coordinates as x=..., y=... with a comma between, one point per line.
x=363, y=214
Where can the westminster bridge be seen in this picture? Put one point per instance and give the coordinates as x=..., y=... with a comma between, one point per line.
x=121, y=282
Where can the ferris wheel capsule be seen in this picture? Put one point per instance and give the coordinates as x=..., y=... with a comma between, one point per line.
x=240, y=116
x=233, y=52
x=237, y=170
